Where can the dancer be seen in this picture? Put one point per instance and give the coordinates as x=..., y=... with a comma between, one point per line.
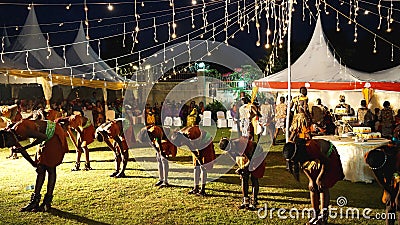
x=251, y=161
x=53, y=146
x=384, y=163
x=111, y=132
x=164, y=149
x=321, y=163
x=84, y=137
x=203, y=154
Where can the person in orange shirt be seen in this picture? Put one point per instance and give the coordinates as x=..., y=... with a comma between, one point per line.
x=251, y=161
x=111, y=132
x=84, y=137
x=200, y=144
x=321, y=163
x=300, y=127
x=53, y=146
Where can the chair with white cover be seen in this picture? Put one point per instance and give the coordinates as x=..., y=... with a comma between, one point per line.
x=221, y=121
x=229, y=118
x=168, y=121
x=89, y=115
x=206, y=121
x=177, y=121
x=110, y=115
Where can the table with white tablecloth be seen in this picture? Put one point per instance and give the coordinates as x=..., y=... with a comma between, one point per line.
x=352, y=156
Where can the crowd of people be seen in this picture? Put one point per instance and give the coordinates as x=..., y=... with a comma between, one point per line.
x=68, y=107
x=189, y=114
x=317, y=158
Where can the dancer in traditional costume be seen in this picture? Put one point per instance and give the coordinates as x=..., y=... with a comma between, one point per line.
x=384, y=163
x=200, y=144
x=250, y=159
x=112, y=133
x=300, y=127
x=53, y=146
x=321, y=163
x=164, y=149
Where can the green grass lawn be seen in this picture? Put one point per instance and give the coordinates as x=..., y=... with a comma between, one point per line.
x=92, y=197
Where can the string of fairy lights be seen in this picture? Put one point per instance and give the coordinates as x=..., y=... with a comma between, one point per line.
x=138, y=53
x=276, y=21
x=352, y=18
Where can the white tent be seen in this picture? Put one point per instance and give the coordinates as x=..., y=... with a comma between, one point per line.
x=33, y=60
x=316, y=66
x=5, y=62
x=34, y=52
x=84, y=58
x=325, y=78
x=32, y=46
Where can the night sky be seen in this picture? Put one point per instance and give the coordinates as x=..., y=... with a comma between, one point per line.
x=356, y=55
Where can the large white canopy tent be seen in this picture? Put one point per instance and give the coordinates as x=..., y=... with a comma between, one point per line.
x=85, y=59
x=325, y=78
x=32, y=60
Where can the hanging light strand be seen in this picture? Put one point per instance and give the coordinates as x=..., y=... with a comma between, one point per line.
x=48, y=46
x=380, y=15
x=192, y=15
x=99, y=48
x=86, y=9
x=124, y=36
x=173, y=20
x=392, y=57
x=2, y=49
x=155, y=30
x=164, y=43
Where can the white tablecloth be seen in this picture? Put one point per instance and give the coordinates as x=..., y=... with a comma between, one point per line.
x=352, y=157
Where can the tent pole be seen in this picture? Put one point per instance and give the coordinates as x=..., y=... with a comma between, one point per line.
x=289, y=99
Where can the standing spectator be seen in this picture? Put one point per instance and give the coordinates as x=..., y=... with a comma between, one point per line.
x=184, y=112
x=201, y=108
x=157, y=113
x=280, y=118
x=397, y=118
x=99, y=112
x=318, y=112
x=300, y=127
x=364, y=115
x=377, y=125
x=386, y=117
x=267, y=115
x=93, y=99
x=77, y=107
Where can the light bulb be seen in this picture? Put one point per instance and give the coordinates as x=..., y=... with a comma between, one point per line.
x=173, y=35
x=194, y=2
x=110, y=7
